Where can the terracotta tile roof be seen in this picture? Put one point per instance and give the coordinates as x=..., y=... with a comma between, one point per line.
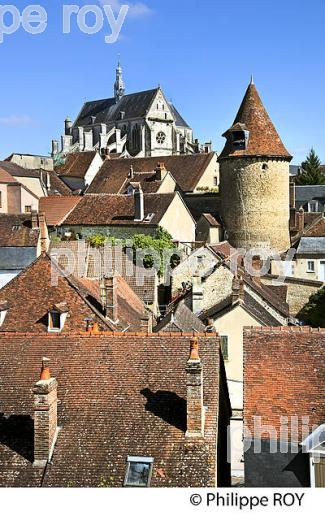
x=289, y=363
x=57, y=186
x=57, y=208
x=76, y=164
x=316, y=228
x=263, y=138
x=6, y=178
x=138, y=382
x=32, y=293
x=211, y=220
x=187, y=171
x=101, y=210
x=145, y=287
x=16, y=231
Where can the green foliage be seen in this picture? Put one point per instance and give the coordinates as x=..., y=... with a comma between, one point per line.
x=313, y=313
x=311, y=172
x=56, y=238
x=206, y=189
x=97, y=241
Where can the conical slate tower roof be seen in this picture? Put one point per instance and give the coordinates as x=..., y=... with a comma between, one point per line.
x=263, y=138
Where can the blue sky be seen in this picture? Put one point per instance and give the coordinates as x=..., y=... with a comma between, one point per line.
x=202, y=53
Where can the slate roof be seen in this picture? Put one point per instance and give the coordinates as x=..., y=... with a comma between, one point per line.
x=253, y=307
x=304, y=194
x=187, y=171
x=119, y=395
x=110, y=210
x=263, y=137
x=180, y=319
x=16, y=231
x=56, y=209
x=76, y=164
x=311, y=245
x=134, y=105
x=32, y=293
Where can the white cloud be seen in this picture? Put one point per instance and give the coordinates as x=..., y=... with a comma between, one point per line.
x=15, y=120
x=136, y=10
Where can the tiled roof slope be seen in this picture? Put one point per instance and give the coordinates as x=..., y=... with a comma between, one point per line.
x=101, y=210
x=56, y=209
x=180, y=319
x=34, y=291
x=119, y=395
x=16, y=231
x=76, y=164
x=284, y=376
x=263, y=137
x=58, y=187
x=6, y=178
x=87, y=267
x=187, y=171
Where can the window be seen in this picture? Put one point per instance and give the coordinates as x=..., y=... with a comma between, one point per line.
x=28, y=209
x=138, y=471
x=238, y=140
x=161, y=137
x=310, y=266
x=215, y=181
x=224, y=347
x=264, y=167
x=313, y=206
x=54, y=321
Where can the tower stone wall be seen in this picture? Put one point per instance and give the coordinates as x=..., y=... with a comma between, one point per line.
x=255, y=202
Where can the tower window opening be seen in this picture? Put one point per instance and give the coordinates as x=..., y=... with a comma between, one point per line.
x=265, y=167
x=238, y=140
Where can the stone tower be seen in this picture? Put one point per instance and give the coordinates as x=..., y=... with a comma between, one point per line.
x=254, y=179
x=119, y=84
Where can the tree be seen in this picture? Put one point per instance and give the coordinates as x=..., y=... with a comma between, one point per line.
x=313, y=313
x=311, y=171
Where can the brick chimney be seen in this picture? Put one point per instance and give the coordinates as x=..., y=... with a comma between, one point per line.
x=194, y=386
x=237, y=289
x=44, y=235
x=45, y=416
x=138, y=203
x=34, y=220
x=109, y=296
x=301, y=220
x=160, y=171
x=197, y=293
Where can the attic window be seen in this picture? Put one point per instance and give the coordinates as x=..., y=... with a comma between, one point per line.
x=313, y=206
x=16, y=227
x=239, y=139
x=138, y=471
x=56, y=317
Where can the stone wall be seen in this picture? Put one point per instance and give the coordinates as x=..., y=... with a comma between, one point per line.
x=255, y=202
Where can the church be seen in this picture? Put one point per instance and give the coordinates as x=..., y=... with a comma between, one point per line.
x=143, y=124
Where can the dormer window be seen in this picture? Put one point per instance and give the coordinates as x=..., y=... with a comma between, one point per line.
x=57, y=316
x=238, y=140
x=138, y=471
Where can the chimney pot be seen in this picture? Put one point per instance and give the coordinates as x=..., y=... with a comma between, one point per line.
x=138, y=204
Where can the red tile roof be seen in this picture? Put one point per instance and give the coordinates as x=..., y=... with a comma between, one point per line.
x=76, y=164
x=56, y=209
x=6, y=178
x=263, y=138
x=187, y=171
x=101, y=210
x=119, y=395
x=33, y=292
x=16, y=231
x=284, y=376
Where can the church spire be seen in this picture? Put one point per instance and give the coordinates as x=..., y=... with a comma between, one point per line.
x=119, y=84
